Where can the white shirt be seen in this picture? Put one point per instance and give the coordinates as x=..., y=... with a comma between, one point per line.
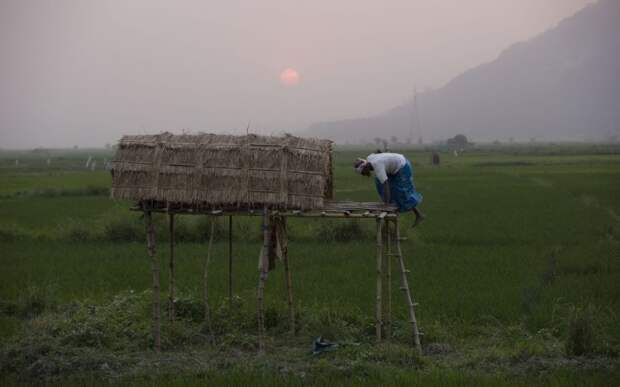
x=386, y=164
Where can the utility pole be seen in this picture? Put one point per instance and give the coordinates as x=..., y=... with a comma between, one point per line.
x=415, y=120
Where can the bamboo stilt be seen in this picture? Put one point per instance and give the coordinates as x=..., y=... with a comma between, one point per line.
x=378, y=309
x=206, y=279
x=388, y=280
x=171, y=284
x=263, y=267
x=230, y=262
x=287, y=274
x=150, y=241
x=405, y=289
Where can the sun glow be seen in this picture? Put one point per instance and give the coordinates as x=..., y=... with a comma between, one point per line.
x=289, y=77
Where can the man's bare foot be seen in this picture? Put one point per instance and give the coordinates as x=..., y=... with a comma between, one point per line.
x=419, y=218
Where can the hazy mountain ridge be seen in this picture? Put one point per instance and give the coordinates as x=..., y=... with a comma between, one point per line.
x=562, y=84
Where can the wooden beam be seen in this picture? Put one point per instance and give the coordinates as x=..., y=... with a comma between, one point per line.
x=378, y=310
x=263, y=267
x=150, y=241
x=287, y=274
x=388, y=279
x=206, y=280
x=230, y=261
x=294, y=213
x=171, y=280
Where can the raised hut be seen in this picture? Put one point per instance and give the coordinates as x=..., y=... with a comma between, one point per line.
x=274, y=177
x=223, y=171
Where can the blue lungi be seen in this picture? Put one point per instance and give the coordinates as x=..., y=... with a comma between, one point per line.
x=402, y=189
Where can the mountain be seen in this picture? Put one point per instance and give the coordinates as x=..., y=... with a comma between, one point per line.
x=561, y=85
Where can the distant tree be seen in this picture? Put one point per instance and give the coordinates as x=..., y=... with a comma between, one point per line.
x=377, y=140
x=394, y=140
x=460, y=141
x=385, y=144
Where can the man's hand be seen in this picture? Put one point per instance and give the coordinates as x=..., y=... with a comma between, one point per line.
x=386, y=192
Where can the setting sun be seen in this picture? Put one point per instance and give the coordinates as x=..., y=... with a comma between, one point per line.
x=289, y=77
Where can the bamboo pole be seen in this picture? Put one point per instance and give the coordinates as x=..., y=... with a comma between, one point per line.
x=171, y=285
x=150, y=241
x=230, y=262
x=206, y=279
x=388, y=278
x=287, y=274
x=405, y=288
x=378, y=309
x=263, y=267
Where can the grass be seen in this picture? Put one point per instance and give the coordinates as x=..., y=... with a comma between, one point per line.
x=518, y=261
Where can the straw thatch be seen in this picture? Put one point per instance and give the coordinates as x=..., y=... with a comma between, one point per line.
x=223, y=171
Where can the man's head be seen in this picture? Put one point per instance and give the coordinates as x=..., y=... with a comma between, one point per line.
x=363, y=167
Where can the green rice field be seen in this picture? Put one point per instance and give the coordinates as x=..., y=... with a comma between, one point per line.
x=516, y=271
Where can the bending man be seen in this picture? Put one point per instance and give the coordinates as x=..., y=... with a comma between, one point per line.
x=394, y=181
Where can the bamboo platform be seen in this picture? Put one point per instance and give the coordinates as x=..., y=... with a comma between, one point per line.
x=274, y=228
x=337, y=209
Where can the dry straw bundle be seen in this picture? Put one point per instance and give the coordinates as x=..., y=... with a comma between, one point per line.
x=222, y=171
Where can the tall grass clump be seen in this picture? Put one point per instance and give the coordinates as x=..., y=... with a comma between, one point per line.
x=580, y=335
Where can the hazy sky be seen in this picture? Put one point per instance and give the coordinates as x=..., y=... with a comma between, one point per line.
x=86, y=72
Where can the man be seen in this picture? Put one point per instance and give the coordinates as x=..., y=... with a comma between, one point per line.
x=394, y=181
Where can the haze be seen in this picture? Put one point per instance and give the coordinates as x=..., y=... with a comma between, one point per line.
x=86, y=72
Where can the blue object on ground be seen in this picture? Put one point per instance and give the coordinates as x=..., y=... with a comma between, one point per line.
x=320, y=346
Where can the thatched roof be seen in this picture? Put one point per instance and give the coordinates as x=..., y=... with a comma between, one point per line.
x=222, y=171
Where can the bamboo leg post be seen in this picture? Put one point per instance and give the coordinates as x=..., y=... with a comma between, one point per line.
x=171, y=284
x=378, y=309
x=405, y=289
x=206, y=279
x=287, y=274
x=388, y=280
x=150, y=241
x=263, y=267
x=230, y=263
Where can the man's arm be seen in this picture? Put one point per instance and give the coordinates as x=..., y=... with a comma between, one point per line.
x=386, y=191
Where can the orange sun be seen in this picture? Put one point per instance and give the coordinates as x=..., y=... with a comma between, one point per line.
x=289, y=77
